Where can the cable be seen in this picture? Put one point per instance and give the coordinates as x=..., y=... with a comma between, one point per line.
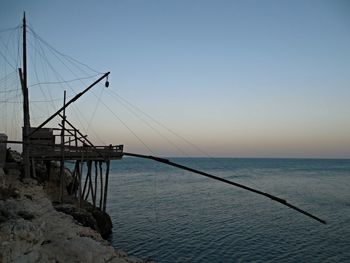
x=154, y=129
x=9, y=29
x=162, y=125
x=95, y=109
x=60, y=53
x=7, y=76
x=149, y=149
x=64, y=81
x=7, y=61
x=8, y=52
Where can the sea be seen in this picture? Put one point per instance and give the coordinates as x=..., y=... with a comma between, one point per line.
x=170, y=215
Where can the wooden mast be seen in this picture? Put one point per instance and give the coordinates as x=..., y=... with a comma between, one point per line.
x=26, y=118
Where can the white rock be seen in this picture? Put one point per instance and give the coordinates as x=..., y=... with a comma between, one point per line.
x=50, y=236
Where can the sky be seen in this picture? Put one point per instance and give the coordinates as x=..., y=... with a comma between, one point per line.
x=202, y=78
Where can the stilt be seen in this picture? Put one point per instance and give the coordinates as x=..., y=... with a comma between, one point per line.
x=73, y=189
x=80, y=178
x=33, y=168
x=96, y=175
x=60, y=198
x=48, y=169
x=90, y=187
x=101, y=183
x=62, y=149
x=85, y=184
x=106, y=186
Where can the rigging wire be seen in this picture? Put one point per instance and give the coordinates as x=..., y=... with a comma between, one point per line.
x=153, y=128
x=7, y=76
x=116, y=95
x=42, y=53
x=60, y=53
x=64, y=81
x=95, y=109
x=36, y=72
x=9, y=29
x=6, y=46
x=252, y=181
x=56, y=53
x=58, y=76
x=137, y=137
x=76, y=109
x=3, y=56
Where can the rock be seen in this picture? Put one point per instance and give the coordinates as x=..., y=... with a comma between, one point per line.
x=48, y=235
x=13, y=156
x=31, y=230
x=8, y=192
x=81, y=215
x=28, y=196
x=122, y=253
x=88, y=216
x=25, y=215
x=4, y=216
x=104, y=222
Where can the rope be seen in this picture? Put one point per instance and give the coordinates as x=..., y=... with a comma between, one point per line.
x=64, y=81
x=161, y=125
x=60, y=53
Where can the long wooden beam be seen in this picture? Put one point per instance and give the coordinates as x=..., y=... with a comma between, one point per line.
x=68, y=103
x=272, y=197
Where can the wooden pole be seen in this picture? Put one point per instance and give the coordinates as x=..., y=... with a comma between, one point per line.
x=75, y=176
x=75, y=137
x=68, y=103
x=96, y=175
x=90, y=187
x=85, y=184
x=48, y=169
x=101, y=183
x=80, y=173
x=106, y=186
x=62, y=150
x=272, y=197
x=26, y=118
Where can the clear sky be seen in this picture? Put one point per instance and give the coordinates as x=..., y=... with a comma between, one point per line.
x=235, y=78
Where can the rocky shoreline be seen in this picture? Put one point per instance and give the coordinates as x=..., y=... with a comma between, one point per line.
x=33, y=228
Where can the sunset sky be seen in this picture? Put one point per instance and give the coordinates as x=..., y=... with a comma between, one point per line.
x=233, y=78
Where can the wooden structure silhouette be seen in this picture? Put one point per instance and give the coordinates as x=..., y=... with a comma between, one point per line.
x=67, y=143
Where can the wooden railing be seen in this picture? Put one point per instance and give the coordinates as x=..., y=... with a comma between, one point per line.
x=56, y=151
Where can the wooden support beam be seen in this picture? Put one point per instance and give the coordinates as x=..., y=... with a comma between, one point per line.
x=90, y=186
x=80, y=178
x=33, y=168
x=26, y=117
x=62, y=149
x=48, y=169
x=96, y=175
x=68, y=103
x=85, y=184
x=75, y=178
x=106, y=186
x=101, y=183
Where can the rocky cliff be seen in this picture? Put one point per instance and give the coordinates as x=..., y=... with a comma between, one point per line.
x=32, y=230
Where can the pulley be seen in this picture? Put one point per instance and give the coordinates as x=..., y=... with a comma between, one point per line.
x=107, y=83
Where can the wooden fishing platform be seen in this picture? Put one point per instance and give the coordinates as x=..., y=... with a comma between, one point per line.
x=53, y=147
x=43, y=147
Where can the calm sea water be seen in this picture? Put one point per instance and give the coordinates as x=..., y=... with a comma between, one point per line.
x=170, y=215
